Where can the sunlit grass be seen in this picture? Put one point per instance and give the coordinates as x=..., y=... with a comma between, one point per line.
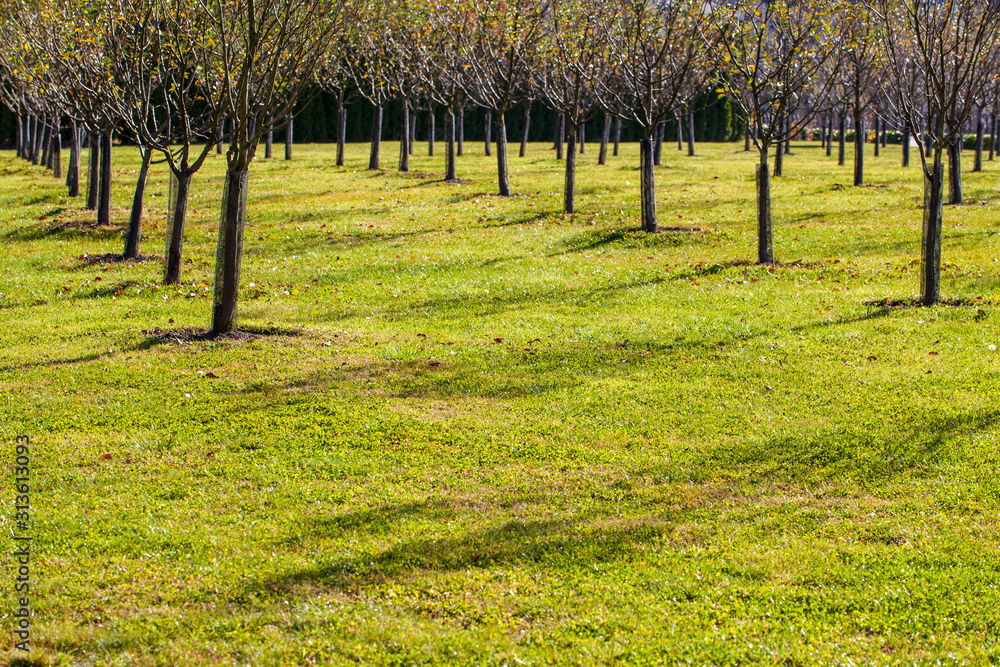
x=484, y=432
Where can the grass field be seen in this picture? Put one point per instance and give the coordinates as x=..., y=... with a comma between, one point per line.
x=474, y=431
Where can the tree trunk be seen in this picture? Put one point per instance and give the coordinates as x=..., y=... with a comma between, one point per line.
x=503, y=174
x=269, y=144
x=929, y=145
x=658, y=143
x=460, y=143
x=618, y=135
x=449, y=137
x=829, y=134
x=560, y=131
x=602, y=154
x=647, y=185
x=582, y=134
x=430, y=132
x=786, y=145
x=878, y=123
x=413, y=137
x=73, y=169
x=980, y=129
x=229, y=254
x=373, y=159
x=570, y=182
x=134, y=236
x=488, y=131
x=94, y=171
x=885, y=133
x=842, y=140
x=221, y=133
x=746, y=139
x=906, y=146
x=19, y=138
x=46, y=143
x=104, y=199
x=993, y=136
x=525, y=126
x=180, y=186
x=56, y=157
x=404, y=138
x=341, y=134
x=859, y=149
x=779, y=161
x=765, y=227
x=37, y=136
x=930, y=267
x=289, y=137
x=955, y=171
x=690, y=132
x=680, y=134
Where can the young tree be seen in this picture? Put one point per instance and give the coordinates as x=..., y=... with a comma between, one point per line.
x=167, y=96
x=772, y=56
x=654, y=54
x=860, y=73
x=267, y=52
x=442, y=65
x=334, y=76
x=572, y=52
x=499, y=50
x=939, y=56
x=371, y=61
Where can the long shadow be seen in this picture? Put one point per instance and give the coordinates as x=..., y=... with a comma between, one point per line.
x=563, y=542
x=856, y=451
x=629, y=238
x=37, y=232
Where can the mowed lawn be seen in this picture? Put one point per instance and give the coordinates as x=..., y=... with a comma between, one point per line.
x=470, y=430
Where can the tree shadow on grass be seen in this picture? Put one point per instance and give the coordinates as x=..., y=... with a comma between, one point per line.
x=867, y=454
x=586, y=539
x=669, y=237
x=76, y=229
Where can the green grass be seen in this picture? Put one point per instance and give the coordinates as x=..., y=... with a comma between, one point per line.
x=486, y=433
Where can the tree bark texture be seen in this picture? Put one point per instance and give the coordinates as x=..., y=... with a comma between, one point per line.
x=289, y=137
x=980, y=130
x=93, y=171
x=842, y=140
x=765, y=225
x=602, y=154
x=430, y=132
x=134, y=236
x=73, y=169
x=488, y=131
x=373, y=158
x=341, y=134
x=449, y=137
x=569, y=188
x=690, y=133
x=618, y=135
x=503, y=173
x=930, y=256
x=104, y=199
x=955, y=195
x=560, y=131
x=229, y=253
x=404, y=138
x=647, y=185
x=859, y=149
x=177, y=202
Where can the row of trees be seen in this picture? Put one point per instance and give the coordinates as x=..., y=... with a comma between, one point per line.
x=182, y=77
